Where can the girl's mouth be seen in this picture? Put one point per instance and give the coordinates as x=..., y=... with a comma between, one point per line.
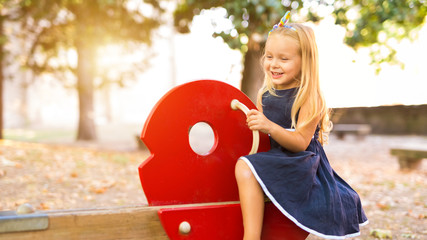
x=276, y=75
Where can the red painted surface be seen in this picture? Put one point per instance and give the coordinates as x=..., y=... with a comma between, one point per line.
x=210, y=222
x=174, y=174
x=277, y=226
x=225, y=222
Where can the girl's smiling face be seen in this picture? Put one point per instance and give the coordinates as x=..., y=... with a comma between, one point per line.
x=282, y=61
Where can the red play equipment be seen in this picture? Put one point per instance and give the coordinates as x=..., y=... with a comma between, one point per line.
x=175, y=174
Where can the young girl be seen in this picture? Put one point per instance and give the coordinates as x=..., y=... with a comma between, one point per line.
x=295, y=174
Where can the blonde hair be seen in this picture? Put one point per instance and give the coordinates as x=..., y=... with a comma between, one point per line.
x=309, y=86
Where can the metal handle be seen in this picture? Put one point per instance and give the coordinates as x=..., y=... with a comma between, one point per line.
x=235, y=104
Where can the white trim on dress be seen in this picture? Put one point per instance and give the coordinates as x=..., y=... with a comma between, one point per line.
x=289, y=215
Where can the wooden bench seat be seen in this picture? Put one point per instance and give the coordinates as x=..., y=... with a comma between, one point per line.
x=132, y=222
x=360, y=130
x=410, y=157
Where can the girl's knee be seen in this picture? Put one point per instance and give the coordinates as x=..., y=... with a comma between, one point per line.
x=242, y=171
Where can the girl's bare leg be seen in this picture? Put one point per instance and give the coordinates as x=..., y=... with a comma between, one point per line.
x=251, y=201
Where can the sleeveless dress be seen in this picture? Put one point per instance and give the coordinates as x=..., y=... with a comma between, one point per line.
x=303, y=185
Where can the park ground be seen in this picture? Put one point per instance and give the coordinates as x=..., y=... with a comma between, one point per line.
x=67, y=175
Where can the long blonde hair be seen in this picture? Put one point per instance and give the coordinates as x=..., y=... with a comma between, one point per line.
x=309, y=86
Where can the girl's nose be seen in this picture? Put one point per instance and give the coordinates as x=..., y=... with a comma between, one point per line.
x=275, y=63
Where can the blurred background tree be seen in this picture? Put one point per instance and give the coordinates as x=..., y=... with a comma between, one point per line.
x=3, y=39
x=376, y=24
x=5, y=15
x=9, y=11
x=56, y=26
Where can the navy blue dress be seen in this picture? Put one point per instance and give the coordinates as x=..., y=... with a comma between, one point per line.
x=303, y=186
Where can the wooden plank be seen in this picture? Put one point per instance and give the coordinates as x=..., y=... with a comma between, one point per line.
x=10, y=221
x=409, y=152
x=356, y=128
x=360, y=130
x=138, y=222
x=131, y=222
x=410, y=157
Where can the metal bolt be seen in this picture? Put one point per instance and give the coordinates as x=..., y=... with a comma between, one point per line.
x=184, y=227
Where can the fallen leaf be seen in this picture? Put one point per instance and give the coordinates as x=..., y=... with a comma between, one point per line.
x=99, y=190
x=383, y=206
x=381, y=233
x=43, y=206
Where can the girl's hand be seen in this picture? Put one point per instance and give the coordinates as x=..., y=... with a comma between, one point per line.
x=258, y=121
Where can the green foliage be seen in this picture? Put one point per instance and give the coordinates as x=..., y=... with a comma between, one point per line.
x=394, y=18
x=376, y=24
x=59, y=25
x=380, y=24
x=250, y=19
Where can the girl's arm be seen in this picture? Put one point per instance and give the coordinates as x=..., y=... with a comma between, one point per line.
x=293, y=141
x=259, y=100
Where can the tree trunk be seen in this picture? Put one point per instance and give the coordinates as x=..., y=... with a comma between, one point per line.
x=85, y=75
x=253, y=76
x=2, y=37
